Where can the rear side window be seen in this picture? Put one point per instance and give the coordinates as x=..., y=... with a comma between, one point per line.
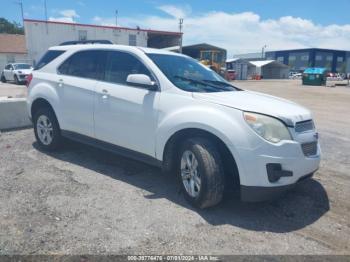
x=120, y=65
x=47, y=58
x=86, y=64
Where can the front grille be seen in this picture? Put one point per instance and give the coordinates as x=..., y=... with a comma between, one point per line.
x=304, y=126
x=309, y=149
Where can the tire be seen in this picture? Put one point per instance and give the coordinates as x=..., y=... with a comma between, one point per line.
x=207, y=186
x=16, y=80
x=50, y=130
x=3, y=79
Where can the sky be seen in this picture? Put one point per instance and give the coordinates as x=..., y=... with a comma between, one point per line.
x=240, y=26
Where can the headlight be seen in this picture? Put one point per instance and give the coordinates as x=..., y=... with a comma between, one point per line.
x=269, y=128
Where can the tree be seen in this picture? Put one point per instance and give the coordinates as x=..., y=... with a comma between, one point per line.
x=7, y=27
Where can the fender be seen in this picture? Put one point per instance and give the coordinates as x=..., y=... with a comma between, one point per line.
x=225, y=127
x=45, y=91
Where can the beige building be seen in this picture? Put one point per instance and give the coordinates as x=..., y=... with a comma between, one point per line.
x=12, y=49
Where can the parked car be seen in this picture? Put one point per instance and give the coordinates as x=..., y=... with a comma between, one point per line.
x=16, y=72
x=168, y=110
x=335, y=77
x=296, y=76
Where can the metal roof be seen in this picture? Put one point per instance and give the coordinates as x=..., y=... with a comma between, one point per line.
x=150, y=31
x=266, y=62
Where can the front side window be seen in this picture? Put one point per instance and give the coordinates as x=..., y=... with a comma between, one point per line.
x=86, y=64
x=120, y=65
x=189, y=75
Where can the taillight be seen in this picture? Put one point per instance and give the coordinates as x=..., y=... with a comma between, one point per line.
x=29, y=79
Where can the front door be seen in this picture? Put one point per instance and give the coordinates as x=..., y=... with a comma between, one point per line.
x=126, y=115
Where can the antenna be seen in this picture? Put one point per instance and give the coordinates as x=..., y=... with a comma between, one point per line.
x=116, y=17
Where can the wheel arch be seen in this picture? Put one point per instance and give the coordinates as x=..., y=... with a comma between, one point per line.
x=40, y=103
x=172, y=145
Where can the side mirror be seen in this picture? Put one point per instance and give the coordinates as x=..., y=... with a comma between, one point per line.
x=142, y=81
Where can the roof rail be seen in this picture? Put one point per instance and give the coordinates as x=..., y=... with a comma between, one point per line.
x=107, y=42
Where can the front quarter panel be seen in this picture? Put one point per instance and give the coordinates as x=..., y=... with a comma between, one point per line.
x=180, y=112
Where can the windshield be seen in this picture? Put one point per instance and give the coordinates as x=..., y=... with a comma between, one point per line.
x=22, y=66
x=189, y=75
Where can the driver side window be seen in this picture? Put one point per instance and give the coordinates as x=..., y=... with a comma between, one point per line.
x=120, y=65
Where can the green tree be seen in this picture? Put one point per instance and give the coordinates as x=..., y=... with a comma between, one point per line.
x=10, y=28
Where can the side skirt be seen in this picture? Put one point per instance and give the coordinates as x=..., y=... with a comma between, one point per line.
x=112, y=148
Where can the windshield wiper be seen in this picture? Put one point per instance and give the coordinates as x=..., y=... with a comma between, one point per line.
x=222, y=83
x=204, y=82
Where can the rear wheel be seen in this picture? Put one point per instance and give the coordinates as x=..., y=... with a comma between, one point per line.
x=201, y=172
x=46, y=129
x=3, y=79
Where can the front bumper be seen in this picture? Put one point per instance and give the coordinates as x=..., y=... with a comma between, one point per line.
x=260, y=194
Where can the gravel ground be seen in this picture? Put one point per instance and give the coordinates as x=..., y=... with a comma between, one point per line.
x=82, y=200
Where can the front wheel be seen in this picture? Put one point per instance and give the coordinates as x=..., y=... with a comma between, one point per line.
x=201, y=172
x=16, y=80
x=46, y=129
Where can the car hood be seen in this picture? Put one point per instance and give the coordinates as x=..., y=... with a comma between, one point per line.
x=289, y=112
x=23, y=71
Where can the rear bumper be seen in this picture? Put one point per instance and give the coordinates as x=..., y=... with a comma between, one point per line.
x=261, y=194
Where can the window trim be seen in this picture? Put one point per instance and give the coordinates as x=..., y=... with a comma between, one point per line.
x=72, y=54
x=145, y=65
x=103, y=80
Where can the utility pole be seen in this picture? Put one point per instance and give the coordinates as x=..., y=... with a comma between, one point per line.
x=181, y=21
x=20, y=3
x=263, y=51
x=116, y=17
x=45, y=12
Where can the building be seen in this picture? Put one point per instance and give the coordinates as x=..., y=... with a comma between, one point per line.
x=40, y=35
x=336, y=61
x=12, y=49
x=266, y=69
x=237, y=68
x=206, y=52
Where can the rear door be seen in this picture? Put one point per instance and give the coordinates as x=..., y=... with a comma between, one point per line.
x=76, y=83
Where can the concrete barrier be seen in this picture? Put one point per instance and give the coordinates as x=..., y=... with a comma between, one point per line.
x=13, y=113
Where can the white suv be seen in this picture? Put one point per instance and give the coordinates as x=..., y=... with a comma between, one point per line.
x=168, y=110
x=16, y=72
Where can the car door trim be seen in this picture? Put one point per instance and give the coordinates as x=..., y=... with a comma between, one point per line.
x=122, y=151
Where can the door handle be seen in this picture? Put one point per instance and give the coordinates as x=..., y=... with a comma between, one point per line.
x=60, y=82
x=104, y=94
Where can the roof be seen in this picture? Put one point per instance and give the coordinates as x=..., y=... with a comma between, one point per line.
x=315, y=70
x=114, y=47
x=308, y=49
x=203, y=46
x=241, y=60
x=266, y=62
x=15, y=44
x=105, y=27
